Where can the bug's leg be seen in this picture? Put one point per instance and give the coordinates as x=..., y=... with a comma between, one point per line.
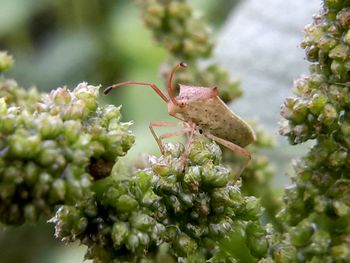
x=166, y=135
x=150, y=84
x=235, y=148
x=189, y=130
x=190, y=134
x=173, y=134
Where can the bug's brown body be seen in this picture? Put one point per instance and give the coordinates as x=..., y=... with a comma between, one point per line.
x=204, y=108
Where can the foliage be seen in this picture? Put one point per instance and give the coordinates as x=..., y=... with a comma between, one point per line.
x=51, y=145
x=183, y=206
x=57, y=151
x=317, y=207
x=57, y=147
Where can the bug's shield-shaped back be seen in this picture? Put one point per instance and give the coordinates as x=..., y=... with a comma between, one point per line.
x=203, y=107
x=190, y=93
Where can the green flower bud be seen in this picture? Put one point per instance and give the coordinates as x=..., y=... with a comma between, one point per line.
x=199, y=154
x=338, y=68
x=168, y=184
x=284, y=254
x=194, y=230
x=88, y=94
x=302, y=233
x=347, y=37
x=186, y=199
x=153, y=16
x=142, y=222
x=192, y=178
x=300, y=112
x=58, y=190
x=45, y=160
x=328, y=115
x=340, y=208
x=12, y=174
x=220, y=228
x=256, y=240
x=6, y=61
x=49, y=155
x=76, y=110
x=120, y=232
x=132, y=242
x=337, y=158
x=339, y=52
x=334, y=4
x=185, y=245
x=317, y=103
x=341, y=253
x=125, y=203
x=49, y=126
x=327, y=43
x=216, y=176
x=343, y=17
x=111, y=112
x=72, y=129
x=321, y=204
x=162, y=169
x=286, y=110
x=312, y=53
x=252, y=207
x=61, y=96
x=3, y=106
x=175, y=204
x=97, y=148
x=174, y=150
x=21, y=146
x=179, y=10
x=320, y=242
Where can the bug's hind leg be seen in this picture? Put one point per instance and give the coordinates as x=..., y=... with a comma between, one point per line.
x=236, y=149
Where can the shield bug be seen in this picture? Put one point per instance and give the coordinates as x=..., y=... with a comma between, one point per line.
x=202, y=111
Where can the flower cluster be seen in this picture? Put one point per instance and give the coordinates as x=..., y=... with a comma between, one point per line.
x=317, y=204
x=177, y=28
x=50, y=147
x=176, y=208
x=6, y=61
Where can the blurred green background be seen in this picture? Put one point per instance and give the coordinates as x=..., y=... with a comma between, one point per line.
x=61, y=42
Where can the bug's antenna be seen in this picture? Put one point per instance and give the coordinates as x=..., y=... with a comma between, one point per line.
x=149, y=84
x=170, y=87
x=107, y=90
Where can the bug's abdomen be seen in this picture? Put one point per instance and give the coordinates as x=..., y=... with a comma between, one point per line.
x=214, y=117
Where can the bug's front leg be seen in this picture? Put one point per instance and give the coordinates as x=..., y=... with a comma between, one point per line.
x=166, y=135
x=236, y=149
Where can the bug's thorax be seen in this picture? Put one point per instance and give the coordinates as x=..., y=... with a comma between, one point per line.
x=187, y=96
x=190, y=102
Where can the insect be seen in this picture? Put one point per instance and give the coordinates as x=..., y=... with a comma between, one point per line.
x=202, y=111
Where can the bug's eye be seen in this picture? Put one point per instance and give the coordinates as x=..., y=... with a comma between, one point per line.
x=200, y=131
